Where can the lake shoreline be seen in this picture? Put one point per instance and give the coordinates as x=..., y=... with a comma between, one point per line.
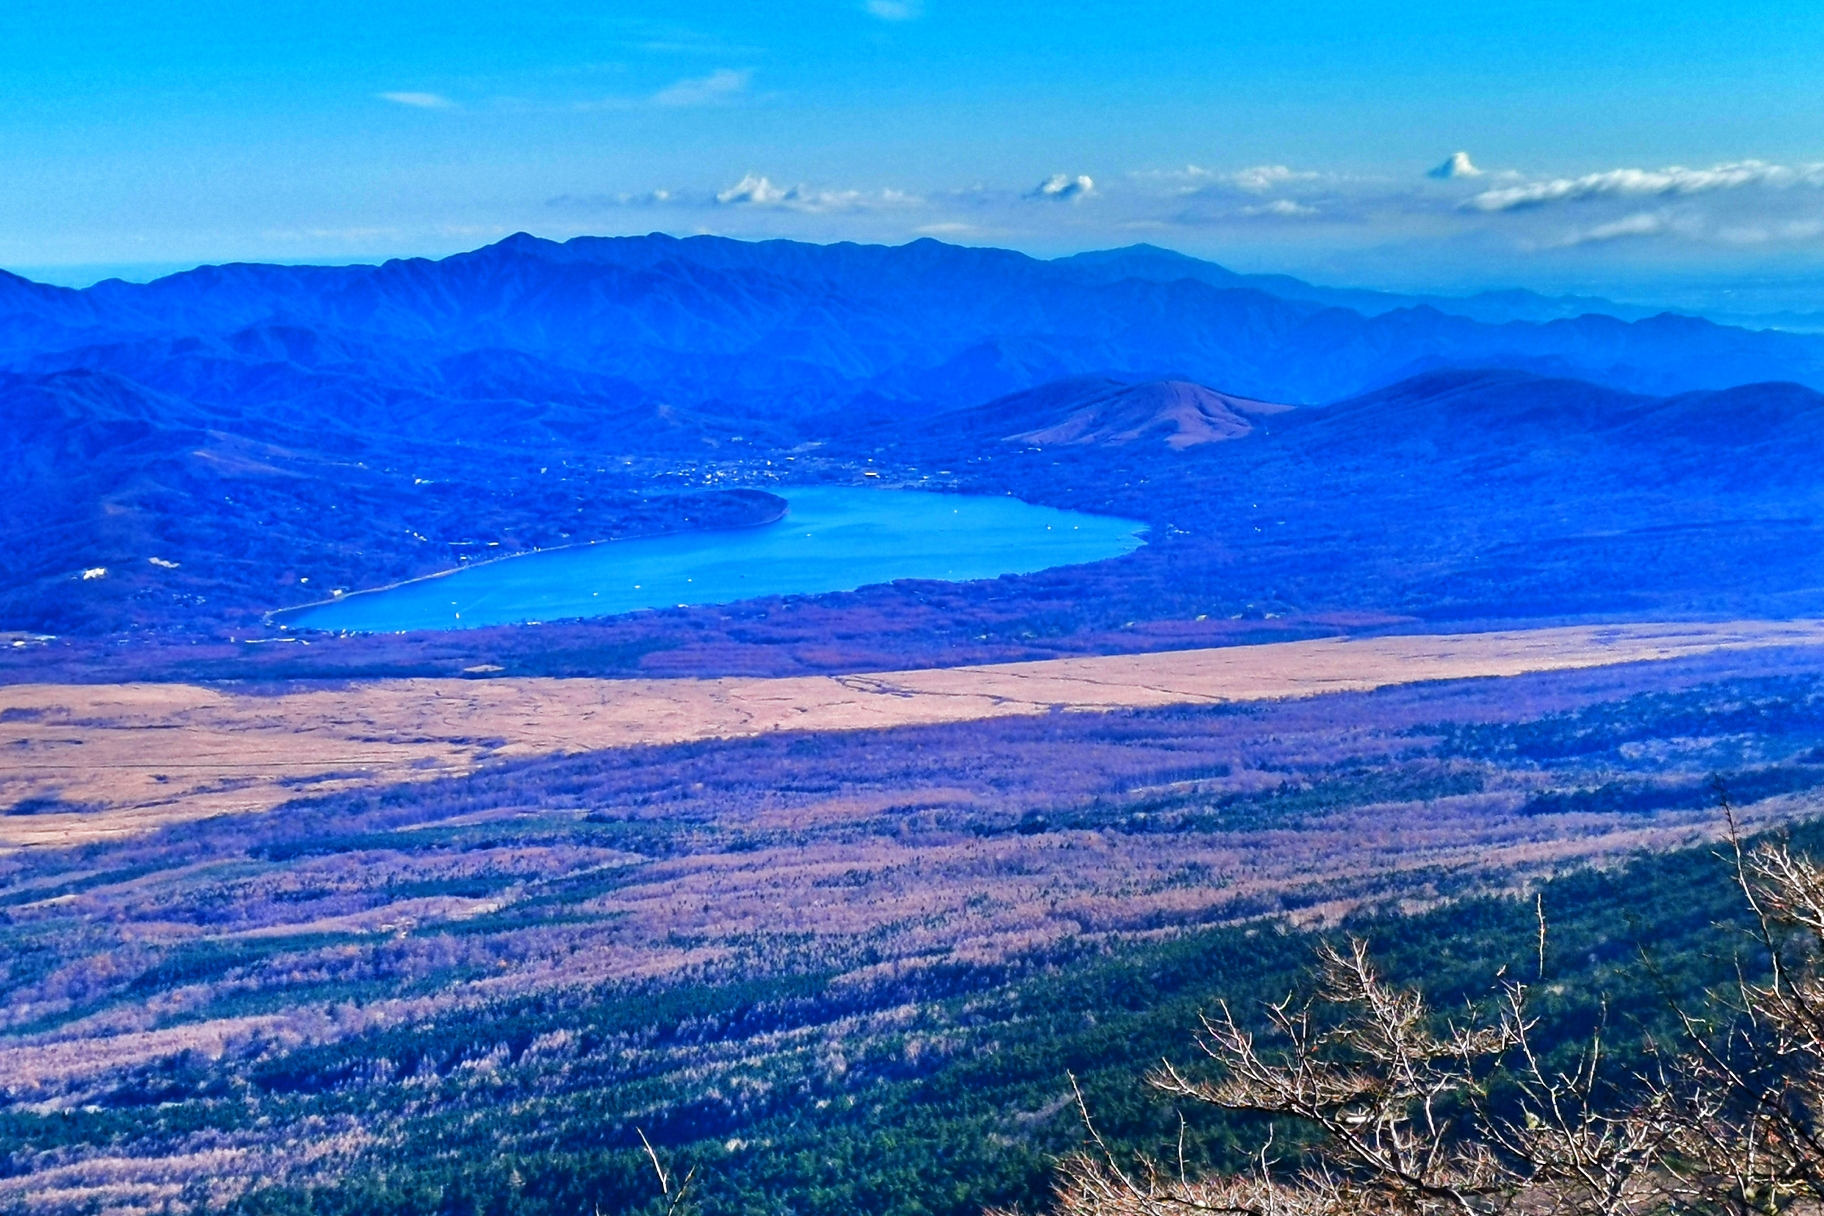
x=844, y=538
x=273, y=618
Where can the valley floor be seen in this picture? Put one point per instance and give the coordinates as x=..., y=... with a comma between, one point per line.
x=278, y=937
x=89, y=762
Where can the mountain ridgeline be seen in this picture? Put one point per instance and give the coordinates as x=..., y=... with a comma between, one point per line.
x=794, y=331
x=393, y=948
x=235, y=439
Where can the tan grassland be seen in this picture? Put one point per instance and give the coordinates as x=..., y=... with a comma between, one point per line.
x=135, y=756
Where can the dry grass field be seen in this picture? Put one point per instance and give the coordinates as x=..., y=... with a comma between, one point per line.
x=443, y=853
x=932, y=843
x=95, y=761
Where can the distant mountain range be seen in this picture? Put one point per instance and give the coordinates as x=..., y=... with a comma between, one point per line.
x=247, y=424
x=793, y=332
x=1492, y=307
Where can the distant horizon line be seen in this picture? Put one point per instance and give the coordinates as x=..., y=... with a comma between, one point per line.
x=81, y=276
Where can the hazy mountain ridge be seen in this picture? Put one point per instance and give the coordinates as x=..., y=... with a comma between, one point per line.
x=200, y=519
x=1491, y=307
x=811, y=328
x=373, y=423
x=1753, y=435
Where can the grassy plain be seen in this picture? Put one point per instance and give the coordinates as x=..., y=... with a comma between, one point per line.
x=425, y=986
x=309, y=924
x=84, y=762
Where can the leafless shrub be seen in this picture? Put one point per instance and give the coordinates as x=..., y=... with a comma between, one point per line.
x=675, y=1190
x=1407, y=1112
x=1399, y=1101
x=1749, y=1103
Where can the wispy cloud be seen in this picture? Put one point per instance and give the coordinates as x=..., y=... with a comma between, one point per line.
x=1293, y=214
x=1252, y=197
x=1624, y=182
x=1283, y=208
x=419, y=101
x=1641, y=223
x=1255, y=179
x=756, y=190
x=1738, y=203
x=622, y=198
x=1261, y=178
x=895, y=10
x=1063, y=188
x=722, y=85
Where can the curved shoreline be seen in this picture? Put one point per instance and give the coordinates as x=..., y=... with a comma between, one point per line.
x=841, y=538
x=271, y=617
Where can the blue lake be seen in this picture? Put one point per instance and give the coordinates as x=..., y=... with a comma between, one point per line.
x=831, y=539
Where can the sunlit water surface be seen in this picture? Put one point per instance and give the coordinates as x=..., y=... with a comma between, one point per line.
x=831, y=539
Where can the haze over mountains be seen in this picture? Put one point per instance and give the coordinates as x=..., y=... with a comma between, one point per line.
x=496, y=932
x=268, y=433
x=813, y=328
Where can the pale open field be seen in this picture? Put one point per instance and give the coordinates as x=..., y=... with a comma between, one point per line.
x=872, y=856
x=129, y=757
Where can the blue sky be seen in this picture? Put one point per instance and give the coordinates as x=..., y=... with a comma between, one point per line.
x=1640, y=149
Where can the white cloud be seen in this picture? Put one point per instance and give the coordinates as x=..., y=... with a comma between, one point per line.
x=755, y=190
x=1272, y=206
x=1643, y=223
x=1256, y=179
x=1459, y=165
x=719, y=86
x=1062, y=187
x=1266, y=177
x=1624, y=182
x=1284, y=208
x=623, y=198
x=419, y=101
x=1205, y=199
x=895, y=10
x=1737, y=204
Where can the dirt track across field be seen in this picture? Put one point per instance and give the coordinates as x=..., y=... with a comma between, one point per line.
x=79, y=762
